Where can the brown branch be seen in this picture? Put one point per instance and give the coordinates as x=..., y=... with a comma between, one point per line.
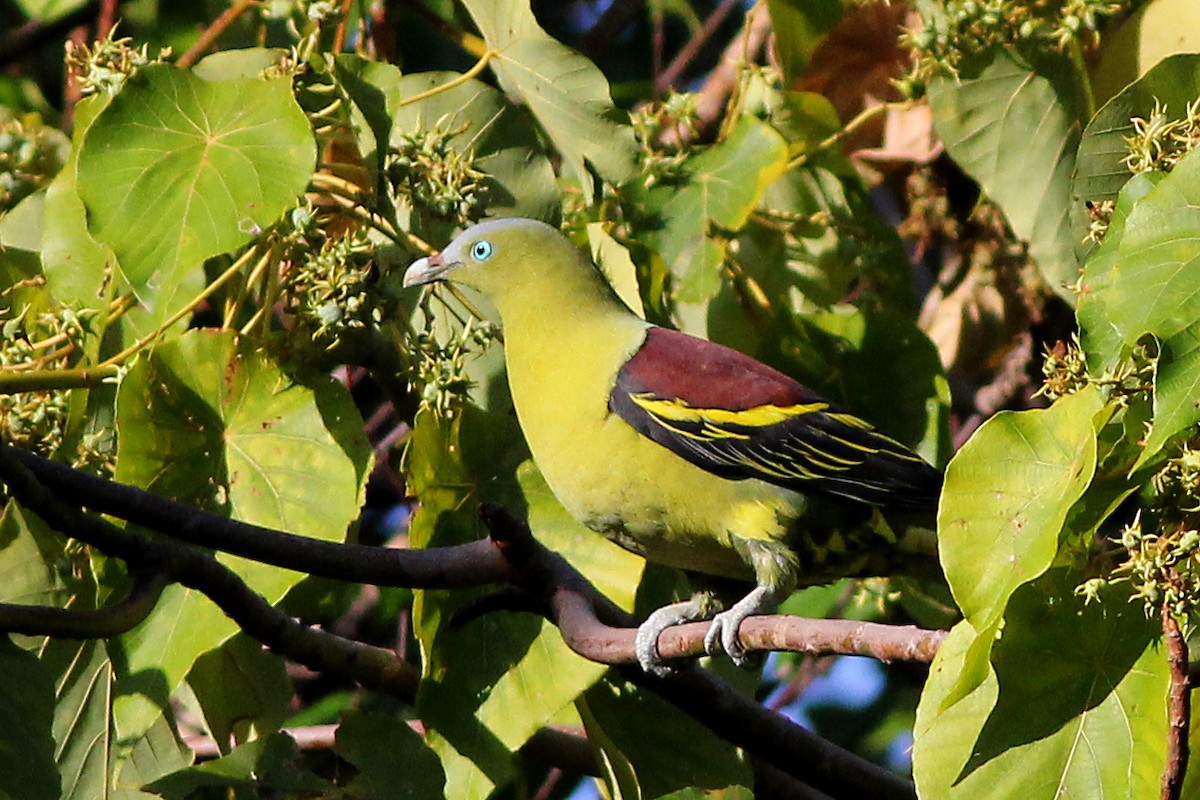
x=339, y=35
x=106, y=20
x=690, y=50
x=370, y=666
x=511, y=555
x=722, y=82
x=1179, y=705
x=572, y=601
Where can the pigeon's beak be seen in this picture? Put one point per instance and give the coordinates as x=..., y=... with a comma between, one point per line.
x=425, y=270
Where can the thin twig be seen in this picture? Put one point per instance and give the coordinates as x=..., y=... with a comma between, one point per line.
x=783, y=744
x=1179, y=703
x=50, y=379
x=339, y=35
x=860, y=119
x=477, y=68
x=690, y=50
x=183, y=311
x=214, y=31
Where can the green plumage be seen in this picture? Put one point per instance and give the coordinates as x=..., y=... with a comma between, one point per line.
x=678, y=449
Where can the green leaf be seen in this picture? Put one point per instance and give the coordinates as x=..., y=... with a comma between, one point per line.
x=243, y=63
x=1152, y=285
x=799, y=27
x=178, y=169
x=270, y=767
x=27, y=768
x=566, y=92
x=724, y=185
x=1146, y=38
x=208, y=423
x=1100, y=172
x=1008, y=491
x=617, y=265
x=74, y=262
x=393, y=762
x=244, y=691
x=1013, y=123
x=21, y=226
x=374, y=88
x=1101, y=340
x=461, y=665
x=82, y=726
x=28, y=552
x=1076, y=706
x=156, y=754
x=1007, y=495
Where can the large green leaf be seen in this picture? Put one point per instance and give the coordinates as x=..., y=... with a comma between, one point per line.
x=216, y=426
x=566, y=92
x=1146, y=38
x=244, y=691
x=82, y=723
x=1013, y=123
x=1075, y=707
x=1102, y=341
x=1100, y=172
x=74, y=262
x=1007, y=495
x=178, y=169
x=724, y=185
x=1008, y=491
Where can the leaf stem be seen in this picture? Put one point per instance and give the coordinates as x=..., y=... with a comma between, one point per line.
x=184, y=310
x=450, y=84
x=51, y=379
x=860, y=119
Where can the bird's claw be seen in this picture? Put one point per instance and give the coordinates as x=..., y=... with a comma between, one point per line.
x=645, y=644
x=722, y=636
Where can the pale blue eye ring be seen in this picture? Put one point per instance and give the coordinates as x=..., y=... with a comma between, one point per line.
x=481, y=250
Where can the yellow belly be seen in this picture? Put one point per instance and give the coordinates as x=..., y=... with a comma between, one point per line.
x=627, y=487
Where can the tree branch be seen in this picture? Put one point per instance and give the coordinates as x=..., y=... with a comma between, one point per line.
x=590, y=622
x=475, y=564
x=573, y=603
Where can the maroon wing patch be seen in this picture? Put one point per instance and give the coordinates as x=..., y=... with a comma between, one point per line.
x=736, y=417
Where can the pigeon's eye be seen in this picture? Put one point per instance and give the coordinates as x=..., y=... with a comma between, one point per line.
x=481, y=250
